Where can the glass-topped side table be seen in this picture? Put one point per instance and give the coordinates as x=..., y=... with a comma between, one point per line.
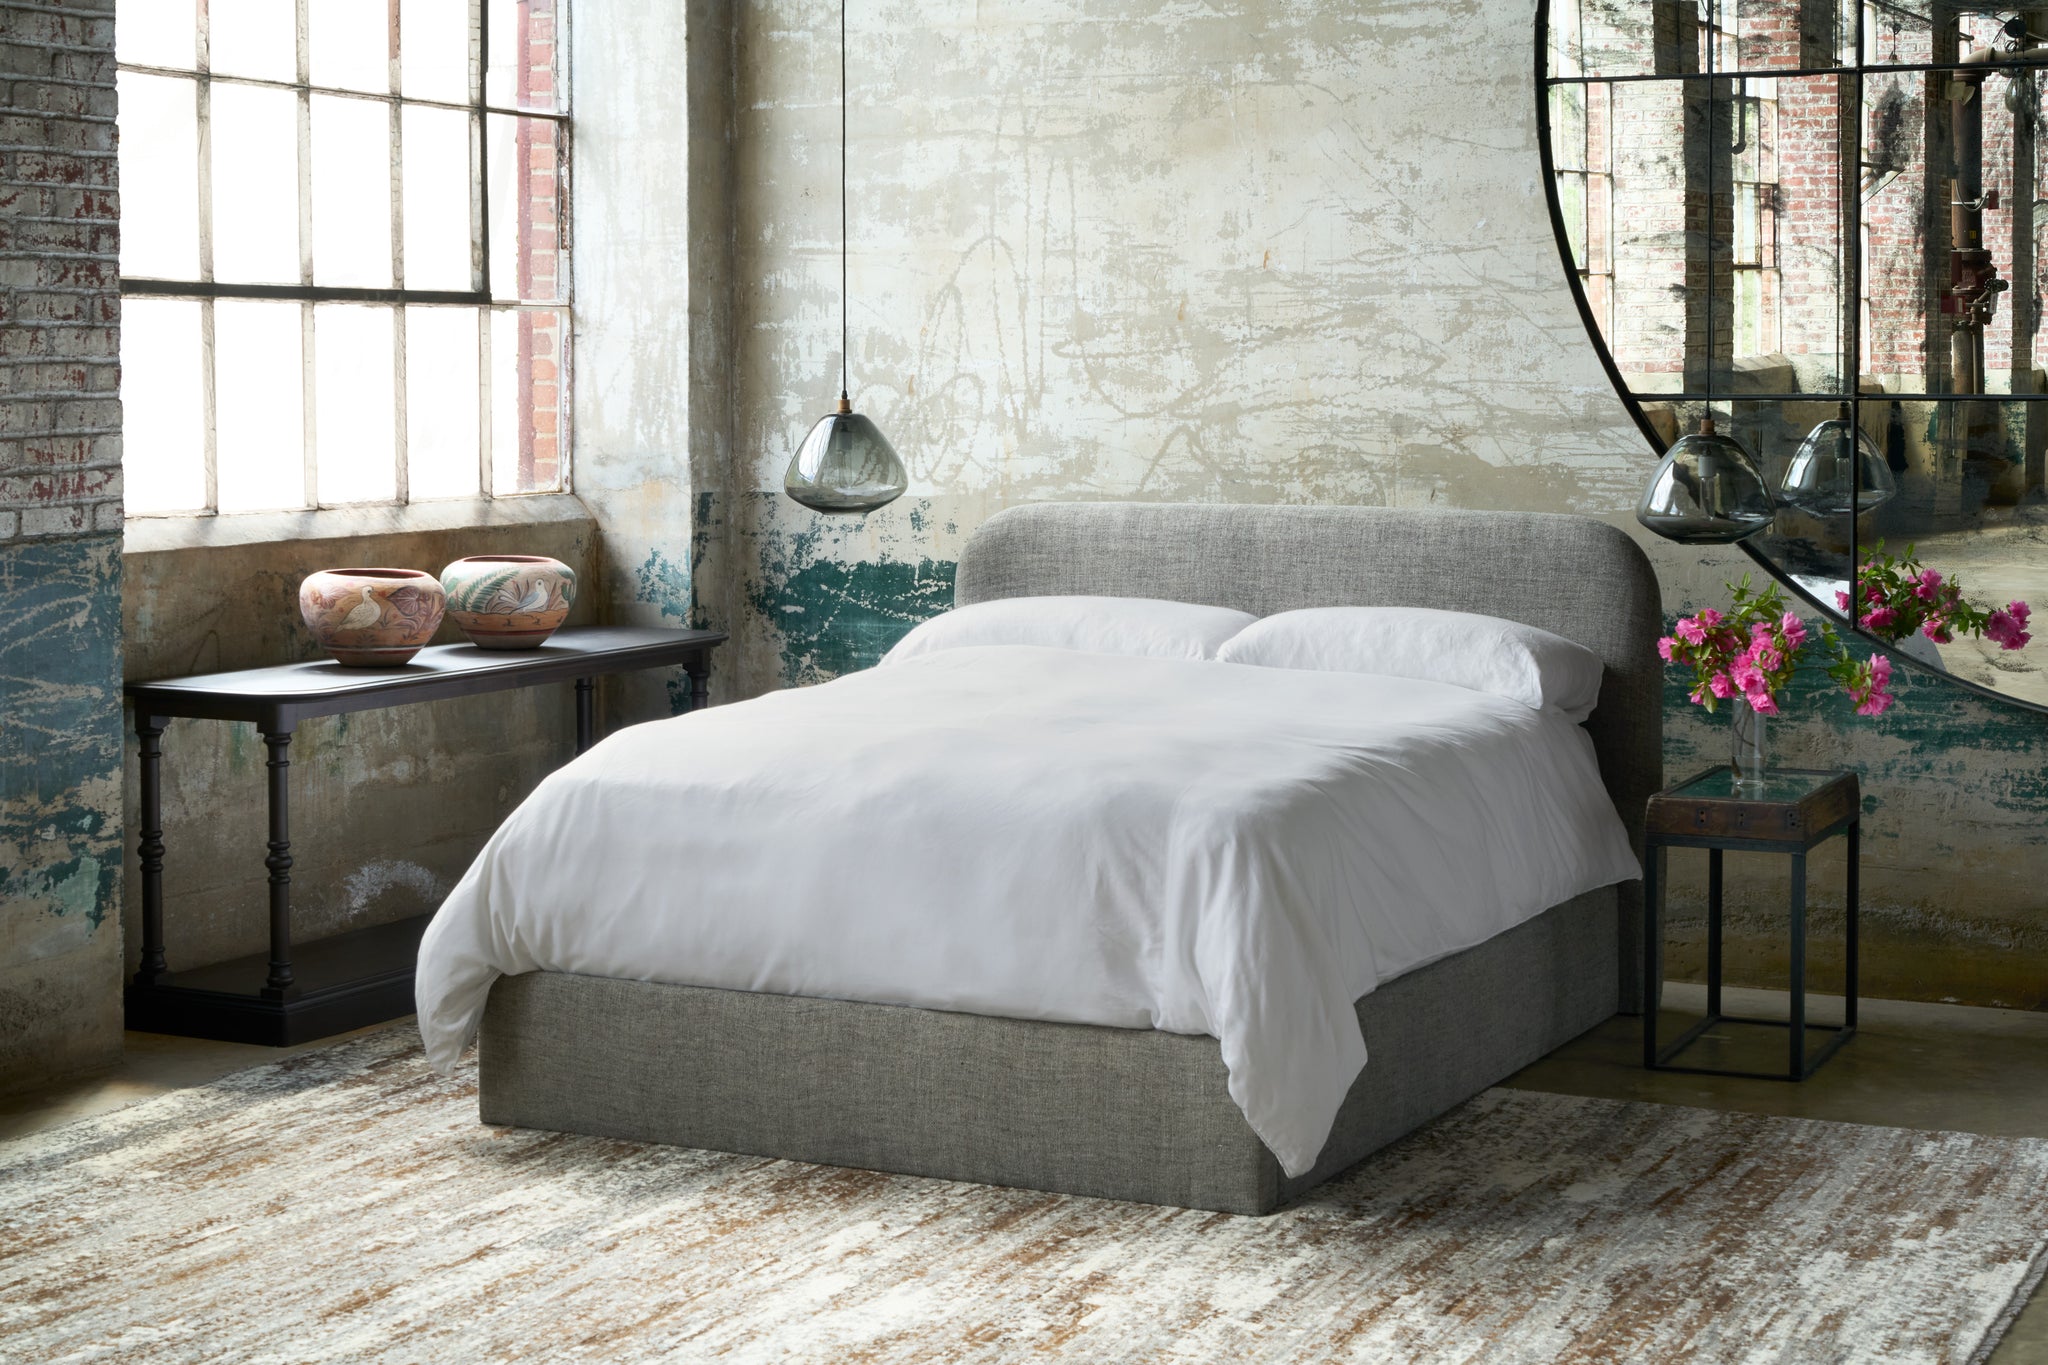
x=1793, y=812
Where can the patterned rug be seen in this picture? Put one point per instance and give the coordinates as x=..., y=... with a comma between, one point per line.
x=344, y=1205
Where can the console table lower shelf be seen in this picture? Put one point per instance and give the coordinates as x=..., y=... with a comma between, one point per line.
x=297, y=992
x=339, y=983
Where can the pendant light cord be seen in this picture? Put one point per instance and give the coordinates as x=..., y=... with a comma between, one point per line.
x=843, y=348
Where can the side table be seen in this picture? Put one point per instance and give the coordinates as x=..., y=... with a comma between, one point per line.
x=364, y=976
x=1794, y=811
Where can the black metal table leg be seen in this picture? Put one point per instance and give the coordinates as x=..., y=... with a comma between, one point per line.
x=1854, y=907
x=1653, y=926
x=1713, y=933
x=586, y=713
x=1796, y=1047
x=150, y=731
x=279, y=983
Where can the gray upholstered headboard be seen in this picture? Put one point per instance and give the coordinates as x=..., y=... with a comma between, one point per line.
x=1579, y=578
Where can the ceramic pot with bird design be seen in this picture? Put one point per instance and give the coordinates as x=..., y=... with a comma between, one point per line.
x=372, y=618
x=509, y=601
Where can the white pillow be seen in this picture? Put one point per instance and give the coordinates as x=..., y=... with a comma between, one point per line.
x=1097, y=625
x=1483, y=653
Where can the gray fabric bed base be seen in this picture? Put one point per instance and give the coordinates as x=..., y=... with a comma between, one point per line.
x=1120, y=1113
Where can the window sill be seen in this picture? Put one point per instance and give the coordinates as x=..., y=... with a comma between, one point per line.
x=149, y=535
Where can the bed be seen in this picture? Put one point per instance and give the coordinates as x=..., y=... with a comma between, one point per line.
x=1137, y=1113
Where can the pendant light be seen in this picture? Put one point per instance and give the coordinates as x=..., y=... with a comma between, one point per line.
x=845, y=464
x=1837, y=469
x=1706, y=492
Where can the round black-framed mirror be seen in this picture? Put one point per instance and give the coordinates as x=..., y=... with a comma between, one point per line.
x=1748, y=193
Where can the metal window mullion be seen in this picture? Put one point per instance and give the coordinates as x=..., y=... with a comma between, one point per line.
x=486, y=409
x=309, y=449
x=481, y=226
x=400, y=455
x=339, y=92
x=209, y=404
x=208, y=407
x=309, y=414
x=481, y=190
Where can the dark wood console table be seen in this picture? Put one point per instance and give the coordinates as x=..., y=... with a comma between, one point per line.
x=364, y=976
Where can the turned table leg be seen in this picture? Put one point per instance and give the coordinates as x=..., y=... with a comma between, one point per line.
x=279, y=982
x=700, y=684
x=150, y=731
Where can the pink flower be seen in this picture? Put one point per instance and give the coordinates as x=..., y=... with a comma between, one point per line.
x=1794, y=630
x=1879, y=619
x=2009, y=627
x=1720, y=686
x=1710, y=618
x=1937, y=630
x=1664, y=647
x=1689, y=630
x=1926, y=584
x=1767, y=657
x=1761, y=702
x=1872, y=695
x=1841, y=599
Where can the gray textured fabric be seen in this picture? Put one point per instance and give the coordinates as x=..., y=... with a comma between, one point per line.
x=1572, y=576
x=1136, y=1114
x=1120, y=1113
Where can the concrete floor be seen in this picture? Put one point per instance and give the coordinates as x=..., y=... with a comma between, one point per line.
x=1942, y=1067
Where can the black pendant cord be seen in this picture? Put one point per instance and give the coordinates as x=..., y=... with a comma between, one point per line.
x=843, y=348
x=1713, y=146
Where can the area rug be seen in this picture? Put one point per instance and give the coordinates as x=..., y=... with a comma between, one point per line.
x=345, y=1205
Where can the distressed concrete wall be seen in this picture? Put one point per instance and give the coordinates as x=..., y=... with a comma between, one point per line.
x=652, y=231
x=60, y=563
x=388, y=807
x=1262, y=250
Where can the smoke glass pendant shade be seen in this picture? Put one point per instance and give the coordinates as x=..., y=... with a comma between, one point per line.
x=1707, y=491
x=846, y=464
x=1825, y=471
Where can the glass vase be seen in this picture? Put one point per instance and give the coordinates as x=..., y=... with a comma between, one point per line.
x=1746, y=752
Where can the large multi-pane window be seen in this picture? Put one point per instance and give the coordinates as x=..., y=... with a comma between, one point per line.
x=1753, y=239
x=344, y=272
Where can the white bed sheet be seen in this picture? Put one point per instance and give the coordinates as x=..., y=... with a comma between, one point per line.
x=1198, y=847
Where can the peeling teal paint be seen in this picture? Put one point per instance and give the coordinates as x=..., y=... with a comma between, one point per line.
x=60, y=732
x=835, y=618
x=665, y=585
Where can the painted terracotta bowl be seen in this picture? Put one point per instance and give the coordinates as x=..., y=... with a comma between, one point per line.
x=509, y=601
x=372, y=618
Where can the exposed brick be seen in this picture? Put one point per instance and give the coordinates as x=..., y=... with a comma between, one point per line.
x=60, y=418
x=51, y=451
x=59, y=488
x=55, y=521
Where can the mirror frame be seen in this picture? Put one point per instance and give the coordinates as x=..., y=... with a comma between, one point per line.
x=1634, y=405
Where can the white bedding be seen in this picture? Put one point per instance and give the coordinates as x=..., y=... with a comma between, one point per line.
x=1199, y=847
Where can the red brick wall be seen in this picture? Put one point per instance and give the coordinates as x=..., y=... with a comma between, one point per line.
x=60, y=306
x=540, y=333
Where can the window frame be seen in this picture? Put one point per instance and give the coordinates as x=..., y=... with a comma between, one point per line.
x=482, y=296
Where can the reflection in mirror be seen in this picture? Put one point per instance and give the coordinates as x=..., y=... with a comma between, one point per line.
x=1819, y=222
x=1969, y=507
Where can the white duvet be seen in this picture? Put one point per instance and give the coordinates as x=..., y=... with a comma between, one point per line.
x=1199, y=847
